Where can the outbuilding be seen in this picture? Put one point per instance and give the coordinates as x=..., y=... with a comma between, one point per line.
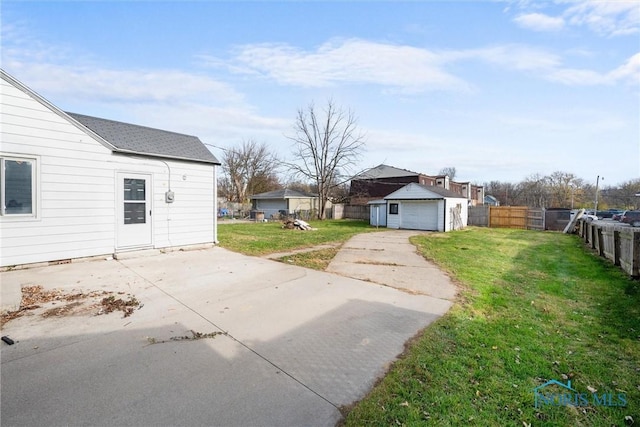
x=75, y=186
x=285, y=201
x=420, y=207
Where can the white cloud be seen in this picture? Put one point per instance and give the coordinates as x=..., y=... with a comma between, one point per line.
x=611, y=18
x=604, y=17
x=178, y=100
x=629, y=72
x=112, y=85
x=515, y=57
x=406, y=68
x=539, y=22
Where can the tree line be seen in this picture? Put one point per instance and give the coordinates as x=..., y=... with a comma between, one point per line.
x=564, y=190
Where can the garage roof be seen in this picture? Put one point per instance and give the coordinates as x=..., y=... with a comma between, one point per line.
x=385, y=171
x=284, y=194
x=415, y=191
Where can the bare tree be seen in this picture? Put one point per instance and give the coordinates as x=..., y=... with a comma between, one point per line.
x=534, y=191
x=248, y=169
x=562, y=188
x=327, y=142
x=449, y=171
x=507, y=193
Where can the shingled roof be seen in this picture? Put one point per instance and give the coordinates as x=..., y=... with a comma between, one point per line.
x=385, y=171
x=284, y=194
x=135, y=139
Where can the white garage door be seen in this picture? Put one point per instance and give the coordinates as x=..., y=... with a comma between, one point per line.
x=419, y=215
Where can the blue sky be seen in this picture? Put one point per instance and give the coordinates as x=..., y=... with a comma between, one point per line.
x=500, y=90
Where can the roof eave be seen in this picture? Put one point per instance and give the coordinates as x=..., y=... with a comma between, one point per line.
x=160, y=156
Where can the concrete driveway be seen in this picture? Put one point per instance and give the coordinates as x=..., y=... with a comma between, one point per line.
x=295, y=345
x=388, y=258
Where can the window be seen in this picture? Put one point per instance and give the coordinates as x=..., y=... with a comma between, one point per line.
x=134, y=201
x=393, y=208
x=17, y=186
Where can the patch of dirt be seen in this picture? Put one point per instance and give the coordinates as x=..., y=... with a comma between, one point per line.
x=58, y=303
x=111, y=304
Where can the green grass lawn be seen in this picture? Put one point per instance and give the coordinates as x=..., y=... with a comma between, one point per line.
x=261, y=238
x=533, y=307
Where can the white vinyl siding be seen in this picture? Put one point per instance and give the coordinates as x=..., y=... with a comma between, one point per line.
x=422, y=209
x=393, y=220
x=75, y=188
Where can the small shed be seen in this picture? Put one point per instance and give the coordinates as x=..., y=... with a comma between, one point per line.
x=378, y=213
x=420, y=207
x=285, y=201
x=75, y=186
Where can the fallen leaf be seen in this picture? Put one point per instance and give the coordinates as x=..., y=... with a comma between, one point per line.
x=591, y=389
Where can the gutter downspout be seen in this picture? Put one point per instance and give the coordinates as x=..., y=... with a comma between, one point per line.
x=444, y=218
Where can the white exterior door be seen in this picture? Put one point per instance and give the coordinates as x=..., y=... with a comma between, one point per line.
x=419, y=215
x=133, y=210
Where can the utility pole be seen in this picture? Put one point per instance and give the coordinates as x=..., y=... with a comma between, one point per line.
x=573, y=189
x=595, y=208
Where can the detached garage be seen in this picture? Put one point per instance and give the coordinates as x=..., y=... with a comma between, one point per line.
x=287, y=201
x=420, y=207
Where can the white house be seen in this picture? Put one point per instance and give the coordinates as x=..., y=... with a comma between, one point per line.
x=76, y=186
x=421, y=207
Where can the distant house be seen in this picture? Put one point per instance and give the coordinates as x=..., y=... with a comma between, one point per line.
x=421, y=207
x=378, y=182
x=78, y=186
x=491, y=201
x=285, y=201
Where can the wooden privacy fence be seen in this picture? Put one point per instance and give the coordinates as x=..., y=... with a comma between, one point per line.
x=521, y=217
x=356, y=212
x=478, y=215
x=615, y=242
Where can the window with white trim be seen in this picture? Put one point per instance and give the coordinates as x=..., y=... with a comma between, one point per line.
x=17, y=186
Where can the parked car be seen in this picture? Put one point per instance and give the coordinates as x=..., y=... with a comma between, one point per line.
x=631, y=217
x=587, y=216
x=609, y=213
